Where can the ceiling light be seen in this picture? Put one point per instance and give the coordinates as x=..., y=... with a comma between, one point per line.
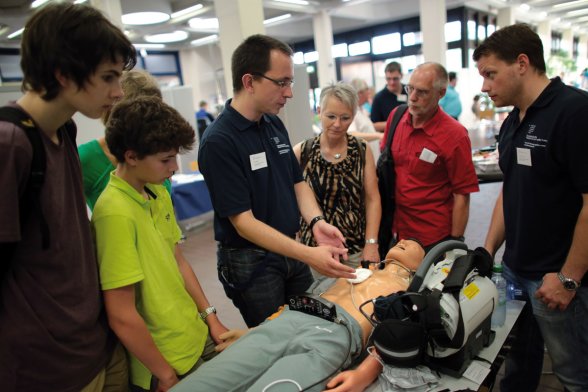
x=145, y=12
x=186, y=11
x=38, y=3
x=16, y=33
x=577, y=12
x=525, y=7
x=149, y=46
x=144, y=18
x=205, y=40
x=204, y=24
x=299, y=2
x=178, y=35
x=79, y=1
x=570, y=4
x=277, y=19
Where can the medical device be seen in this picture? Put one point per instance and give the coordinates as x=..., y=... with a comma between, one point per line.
x=314, y=305
x=443, y=319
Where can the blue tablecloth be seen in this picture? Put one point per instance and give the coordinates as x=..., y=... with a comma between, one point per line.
x=190, y=196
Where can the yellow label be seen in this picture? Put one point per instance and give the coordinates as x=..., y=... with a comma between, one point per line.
x=194, y=165
x=445, y=270
x=471, y=290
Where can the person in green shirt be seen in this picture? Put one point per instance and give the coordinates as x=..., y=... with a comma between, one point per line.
x=97, y=161
x=153, y=299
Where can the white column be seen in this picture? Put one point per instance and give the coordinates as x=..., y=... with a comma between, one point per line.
x=238, y=19
x=111, y=9
x=567, y=41
x=323, y=41
x=544, y=32
x=583, y=52
x=433, y=16
x=506, y=17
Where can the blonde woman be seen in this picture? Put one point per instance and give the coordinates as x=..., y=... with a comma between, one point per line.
x=340, y=170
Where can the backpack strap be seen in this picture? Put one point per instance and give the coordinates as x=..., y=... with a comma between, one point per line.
x=395, y=120
x=32, y=193
x=305, y=151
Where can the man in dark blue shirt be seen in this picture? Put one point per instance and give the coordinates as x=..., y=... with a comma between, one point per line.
x=389, y=97
x=258, y=192
x=542, y=212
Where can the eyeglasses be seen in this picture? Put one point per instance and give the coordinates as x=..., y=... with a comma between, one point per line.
x=394, y=79
x=419, y=92
x=281, y=83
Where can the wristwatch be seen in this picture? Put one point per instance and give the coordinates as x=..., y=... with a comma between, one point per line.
x=371, y=241
x=568, y=283
x=207, y=312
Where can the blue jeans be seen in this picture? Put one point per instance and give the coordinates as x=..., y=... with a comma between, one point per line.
x=258, y=282
x=565, y=334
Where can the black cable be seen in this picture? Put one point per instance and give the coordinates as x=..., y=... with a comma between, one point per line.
x=348, y=329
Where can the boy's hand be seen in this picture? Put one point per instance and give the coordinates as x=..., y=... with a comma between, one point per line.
x=216, y=328
x=229, y=338
x=165, y=384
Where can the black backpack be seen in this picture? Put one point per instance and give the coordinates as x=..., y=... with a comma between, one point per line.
x=30, y=202
x=386, y=186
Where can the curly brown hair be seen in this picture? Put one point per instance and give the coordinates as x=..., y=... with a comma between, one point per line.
x=147, y=126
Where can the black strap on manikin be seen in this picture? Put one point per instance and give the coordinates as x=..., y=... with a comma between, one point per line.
x=32, y=193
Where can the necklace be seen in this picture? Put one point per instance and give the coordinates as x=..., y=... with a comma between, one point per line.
x=336, y=156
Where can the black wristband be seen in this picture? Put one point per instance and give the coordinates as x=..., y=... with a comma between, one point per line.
x=460, y=238
x=315, y=220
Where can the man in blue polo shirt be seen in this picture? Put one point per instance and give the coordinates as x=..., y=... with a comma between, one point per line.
x=258, y=192
x=542, y=212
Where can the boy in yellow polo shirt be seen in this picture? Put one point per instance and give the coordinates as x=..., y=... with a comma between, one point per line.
x=154, y=301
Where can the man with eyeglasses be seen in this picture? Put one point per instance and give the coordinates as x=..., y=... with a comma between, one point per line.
x=433, y=163
x=258, y=192
x=389, y=97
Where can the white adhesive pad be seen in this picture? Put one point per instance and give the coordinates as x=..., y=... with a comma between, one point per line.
x=361, y=275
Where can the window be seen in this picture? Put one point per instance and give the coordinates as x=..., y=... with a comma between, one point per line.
x=410, y=39
x=359, y=48
x=453, y=31
x=386, y=43
x=298, y=58
x=339, y=50
x=10, y=68
x=311, y=57
x=453, y=59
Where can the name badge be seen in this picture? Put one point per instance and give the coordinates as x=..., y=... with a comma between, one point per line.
x=402, y=98
x=258, y=161
x=428, y=155
x=524, y=156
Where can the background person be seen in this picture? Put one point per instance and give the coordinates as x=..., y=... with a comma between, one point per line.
x=340, y=170
x=203, y=118
x=154, y=301
x=258, y=192
x=362, y=125
x=95, y=157
x=305, y=348
x=433, y=164
x=542, y=156
x=389, y=97
x=54, y=334
x=451, y=103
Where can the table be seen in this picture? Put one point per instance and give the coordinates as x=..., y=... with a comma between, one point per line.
x=190, y=196
x=480, y=372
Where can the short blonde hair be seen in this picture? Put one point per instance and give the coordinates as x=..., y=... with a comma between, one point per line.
x=137, y=83
x=343, y=92
x=359, y=85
